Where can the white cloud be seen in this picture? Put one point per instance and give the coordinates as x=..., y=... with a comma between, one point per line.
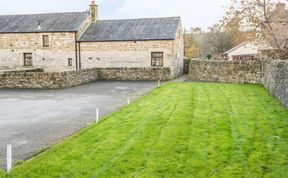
x=201, y=13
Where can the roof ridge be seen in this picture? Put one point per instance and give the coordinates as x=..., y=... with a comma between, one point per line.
x=44, y=13
x=141, y=29
x=147, y=18
x=237, y=46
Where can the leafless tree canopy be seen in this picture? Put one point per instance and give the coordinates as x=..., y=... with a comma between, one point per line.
x=266, y=17
x=220, y=41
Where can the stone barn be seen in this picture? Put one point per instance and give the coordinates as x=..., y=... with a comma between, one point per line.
x=57, y=42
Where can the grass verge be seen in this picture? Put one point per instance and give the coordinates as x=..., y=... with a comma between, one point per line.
x=177, y=130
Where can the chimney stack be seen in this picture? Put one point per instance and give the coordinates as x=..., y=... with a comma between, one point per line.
x=93, y=11
x=280, y=10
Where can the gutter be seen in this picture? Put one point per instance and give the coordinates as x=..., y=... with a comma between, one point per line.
x=39, y=32
x=94, y=41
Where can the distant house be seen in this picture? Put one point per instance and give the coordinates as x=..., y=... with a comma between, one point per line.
x=79, y=40
x=251, y=50
x=243, y=51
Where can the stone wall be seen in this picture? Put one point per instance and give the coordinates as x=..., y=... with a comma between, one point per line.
x=124, y=54
x=275, y=79
x=53, y=80
x=132, y=54
x=46, y=80
x=225, y=71
x=135, y=73
x=177, y=68
x=52, y=58
x=272, y=73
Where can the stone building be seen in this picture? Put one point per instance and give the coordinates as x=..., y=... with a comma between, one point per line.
x=45, y=41
x=79, y=40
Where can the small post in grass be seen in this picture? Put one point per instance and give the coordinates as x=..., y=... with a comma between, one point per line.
x=9, y=158
x=159, y=83
x=128, y=101
x=97, y=115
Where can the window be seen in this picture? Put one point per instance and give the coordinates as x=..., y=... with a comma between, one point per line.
x=157, y=59
x=45, y=41
x=70, y=62
x=28, y=61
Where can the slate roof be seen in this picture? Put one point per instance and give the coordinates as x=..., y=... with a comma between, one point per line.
x=52, y=22
x=132, y=30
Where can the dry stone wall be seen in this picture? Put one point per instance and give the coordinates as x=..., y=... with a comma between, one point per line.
x=36, y=78
x=46, y=80
x=135, y=73
x=275, y=79
x=225, y=71
x=273, y=74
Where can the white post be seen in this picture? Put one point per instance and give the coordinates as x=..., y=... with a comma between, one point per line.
x=128, y=101
x=97, y=115
x=159, y=83
x=9, y=158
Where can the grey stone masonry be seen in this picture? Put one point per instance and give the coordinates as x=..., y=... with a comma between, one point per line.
x=273, y=74
x=275, y=79
x=144, y=73
x=46, y=80
x=53, y=80
x=225, y=71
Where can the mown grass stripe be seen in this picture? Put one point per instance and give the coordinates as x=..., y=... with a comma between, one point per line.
x=177, y=130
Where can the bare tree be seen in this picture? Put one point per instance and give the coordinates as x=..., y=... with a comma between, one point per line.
x=262, y=17
x=220, y=41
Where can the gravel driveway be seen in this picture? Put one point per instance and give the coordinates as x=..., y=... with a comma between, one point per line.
x=31, y=120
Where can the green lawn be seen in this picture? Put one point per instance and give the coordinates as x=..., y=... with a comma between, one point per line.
x=177, y=130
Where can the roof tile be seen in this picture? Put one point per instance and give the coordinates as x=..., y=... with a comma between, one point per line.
x=52, y=22
x=132, y=30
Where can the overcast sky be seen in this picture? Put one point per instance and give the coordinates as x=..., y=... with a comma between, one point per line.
x=194, y=13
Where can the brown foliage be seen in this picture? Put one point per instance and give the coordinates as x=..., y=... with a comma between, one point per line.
x=191, y=47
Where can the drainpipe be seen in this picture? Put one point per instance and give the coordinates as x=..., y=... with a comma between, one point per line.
x=80, y=65
x=76, y=52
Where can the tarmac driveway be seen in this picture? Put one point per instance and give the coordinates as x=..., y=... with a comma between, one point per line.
x=31, y=120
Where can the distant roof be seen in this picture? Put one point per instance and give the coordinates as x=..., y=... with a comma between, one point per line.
x=132, y=30
x=236, y=47
x=252, y=44
x=52, y=22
